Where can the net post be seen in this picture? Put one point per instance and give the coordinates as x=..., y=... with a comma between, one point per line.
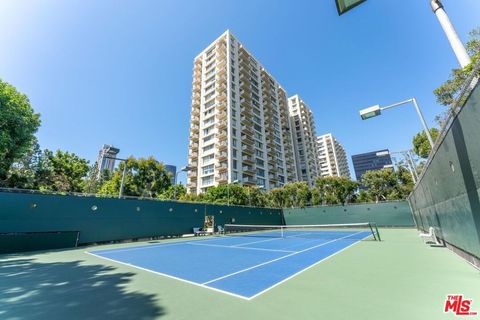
x=378, y=233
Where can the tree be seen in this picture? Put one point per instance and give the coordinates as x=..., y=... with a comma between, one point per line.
x=277, y=197
x=18, y=123
x=421, y=145
x=61, y=171
x=177, y=191
x=382, y=184
x=297, y=194
x=227, y=193
x=335, y=190
x=448, y=90
x=144, y=178
x=23, y=173
x=256, y=197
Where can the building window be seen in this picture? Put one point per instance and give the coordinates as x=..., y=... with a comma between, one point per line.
x=207, y=180
x=208, y=169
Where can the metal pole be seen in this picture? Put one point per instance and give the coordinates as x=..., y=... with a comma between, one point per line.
x=425, y=127
x=123, y=178
x=175, y=186
x=412, y=161
x=457, y=45
x=410, y=167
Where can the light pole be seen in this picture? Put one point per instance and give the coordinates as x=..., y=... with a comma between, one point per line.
x=228, y=191
x=377, y=110
x=447, y=26
x=123, y=174
x=184, y=169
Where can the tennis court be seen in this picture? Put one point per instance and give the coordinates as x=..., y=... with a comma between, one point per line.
x=248, y=260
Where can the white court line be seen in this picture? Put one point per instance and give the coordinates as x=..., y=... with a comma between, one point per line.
x=237, y=247
x=139, y=247
x=171, y=277
x=244, y=244
x=305, y=269
x=277, y=259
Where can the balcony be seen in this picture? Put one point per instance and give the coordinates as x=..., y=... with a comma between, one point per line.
x=247, y=149
x=222, y=178
x=193, y=154
x=221, y=97
x=222, y=115
x=194, y=136
x=248, y=170
x=247, y=140
x=248, y=159
x=247, y=121
x=221, y=125
x=194, y=127
x=247, y=130
x=221, y=145
x=194, y=146
x=195, y=120
x=248, y=180
x=221, y=156
x=222, y=166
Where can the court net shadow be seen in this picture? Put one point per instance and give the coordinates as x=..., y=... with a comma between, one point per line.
x=69, y=290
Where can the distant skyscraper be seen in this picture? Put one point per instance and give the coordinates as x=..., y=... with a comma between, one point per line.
x=239, y=122
x=304, y=140
x=375, y=160
x=173, y=171
x=332, y=157
x=103, y=161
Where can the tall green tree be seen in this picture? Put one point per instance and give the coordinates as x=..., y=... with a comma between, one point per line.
x=18, y=124
x=335, y=190
x=421, y=145
x=232, y=193
x=387, y=184
x=297, y=194
x=61, y=171
x=144, y=178
x=23, y=173
x=449, y=89
x=174, y=191
x=278, y=198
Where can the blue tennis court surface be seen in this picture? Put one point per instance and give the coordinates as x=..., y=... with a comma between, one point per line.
x=242, y=266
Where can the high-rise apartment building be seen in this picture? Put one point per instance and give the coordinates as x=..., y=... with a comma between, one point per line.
x=375, y=160
x=104, y=159
x=332, y=157
x=304, y=140
x=239, y=126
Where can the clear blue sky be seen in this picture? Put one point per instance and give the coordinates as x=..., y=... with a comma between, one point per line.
x=120, y=72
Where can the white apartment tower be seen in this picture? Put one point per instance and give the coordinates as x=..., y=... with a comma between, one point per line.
x=239, y=126
x=105, y=159
x=332, y=157
x=304, y=140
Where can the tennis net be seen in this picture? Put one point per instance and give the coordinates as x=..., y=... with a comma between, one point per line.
x=355, y=231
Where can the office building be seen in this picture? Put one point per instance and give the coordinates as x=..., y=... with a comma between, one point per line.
x=375, y=160
x=304, y=140
x=104, y=159
x=332, y=158
x=172, y=170
x=239, y=125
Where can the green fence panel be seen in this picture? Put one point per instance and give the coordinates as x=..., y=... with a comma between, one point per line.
x=108, y=219
x=447, y=195
x=392, y=214
x=18, y=242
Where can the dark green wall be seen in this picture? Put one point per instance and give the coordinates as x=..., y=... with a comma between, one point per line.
x=117, y=219
x=447, y=196
x=391, y=214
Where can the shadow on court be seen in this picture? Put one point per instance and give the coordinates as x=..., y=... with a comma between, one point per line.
x=70, y=290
